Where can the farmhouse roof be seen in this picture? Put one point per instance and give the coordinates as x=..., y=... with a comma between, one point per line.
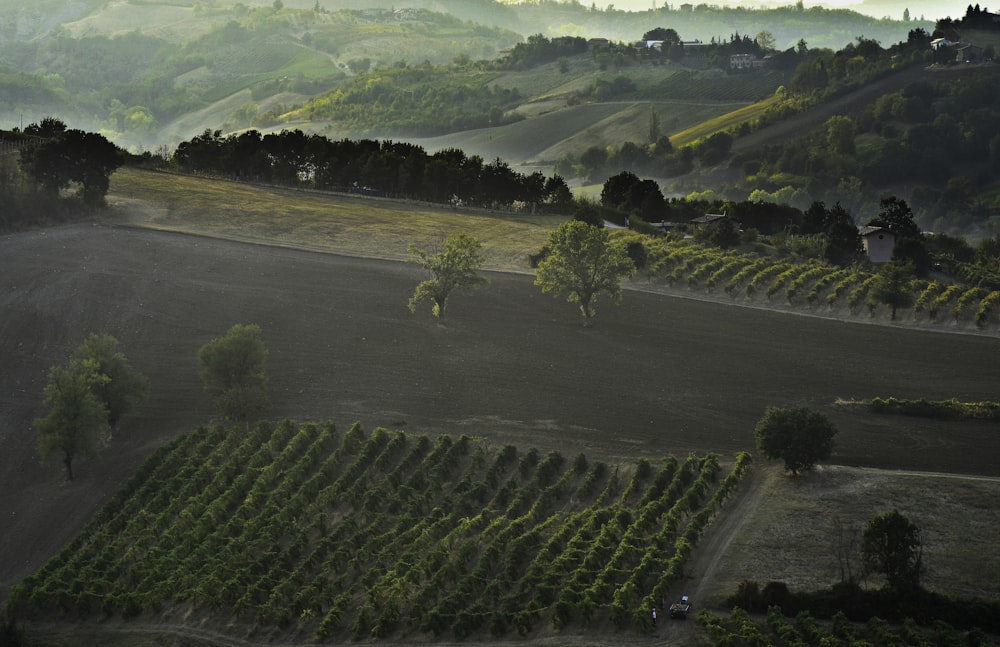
x=869, y=230
x=708, y=218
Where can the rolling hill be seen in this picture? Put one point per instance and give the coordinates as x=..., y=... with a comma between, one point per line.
x=661, y=374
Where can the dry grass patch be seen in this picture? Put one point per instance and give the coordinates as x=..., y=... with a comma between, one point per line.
x=723, y=122
x=792, y=534
x=340, y=223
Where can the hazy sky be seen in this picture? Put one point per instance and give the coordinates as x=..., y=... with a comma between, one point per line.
x=929, y=9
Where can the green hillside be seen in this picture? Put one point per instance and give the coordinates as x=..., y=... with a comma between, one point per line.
x=352, y=535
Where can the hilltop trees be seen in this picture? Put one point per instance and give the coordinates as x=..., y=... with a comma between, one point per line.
x=86, y=398
x=455, y=267
x=627, y=192
x=66, y=156
x=796, y=435
x=582, y=262
x=232, y=368
x=369, y=167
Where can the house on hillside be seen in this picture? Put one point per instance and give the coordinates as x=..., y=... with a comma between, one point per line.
x=741, y=61
x=968, y=53
x=878, y=244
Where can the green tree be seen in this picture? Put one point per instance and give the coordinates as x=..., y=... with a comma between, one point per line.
x=840, y=134
x=892, y=546
x=583, y=261
x=796, y=435
x=766, y=41
x=455, y=267
x=124, y=386
x=893, y=286
x=76, y=415
x=232, y=368
x=73, y=156
x=896, y=216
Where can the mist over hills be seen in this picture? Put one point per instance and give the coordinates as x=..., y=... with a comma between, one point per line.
x=150, y=73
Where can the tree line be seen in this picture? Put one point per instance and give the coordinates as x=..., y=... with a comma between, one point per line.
x=50, y=173
x=370, y=167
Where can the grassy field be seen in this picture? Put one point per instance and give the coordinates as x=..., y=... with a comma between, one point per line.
x=320, y=221
x=723, y=122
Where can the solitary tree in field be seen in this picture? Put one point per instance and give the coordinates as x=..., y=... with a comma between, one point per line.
x=582, y=262
x=232, y=368
x=892, y=546
x=796, y=435
x=76, y=416
x=455, y=267
x=124, y=386
x=893, y=286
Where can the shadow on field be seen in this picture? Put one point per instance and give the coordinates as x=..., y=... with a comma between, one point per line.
x=655, y=375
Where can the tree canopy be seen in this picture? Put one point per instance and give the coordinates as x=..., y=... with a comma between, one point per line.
x=455, y=267
x=76, y=416
x=68, y=156
x=891, y=545
x=893, y=286
x=798, y=436
x=232, y=368
x=124, y=386
x=582, y=262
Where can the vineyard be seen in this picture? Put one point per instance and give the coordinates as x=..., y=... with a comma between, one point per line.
x=694, y=85
x=740, y=628
x=330, y=535
x=810, y=284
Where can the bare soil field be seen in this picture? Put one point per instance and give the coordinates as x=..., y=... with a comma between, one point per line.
x=656, y=375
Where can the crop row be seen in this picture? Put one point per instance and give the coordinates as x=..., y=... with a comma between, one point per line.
x=364, y=535
x=774, y=630
x=810, y=284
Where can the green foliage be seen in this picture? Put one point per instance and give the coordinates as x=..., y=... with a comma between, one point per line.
x=72, y=156
x=124, y=386
x=893, y=286
x=775, y=628
x=455, y=267
x=76, y=415
x=414, y=101
x=891, y=545
x=796, y=435
x=232, y=369
x=377, y=535
x=943, y=409
x=583, y=262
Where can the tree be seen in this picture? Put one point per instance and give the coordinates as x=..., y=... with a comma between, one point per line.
x=232, y=369
x=124, y=386
x=892, y=546
x=73, y=156
x=797, y=435
x=76, y=415
x=893, y=286
x=896, y=216
x=582, y=263
x=616, y=189
x=455, y=267
x=766, y=41
x=840, y=134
